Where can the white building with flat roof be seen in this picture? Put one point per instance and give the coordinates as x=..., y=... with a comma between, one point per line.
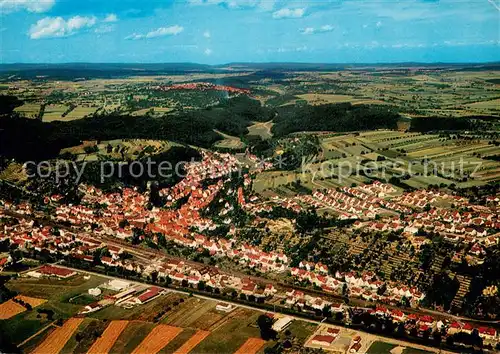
x=282, y=323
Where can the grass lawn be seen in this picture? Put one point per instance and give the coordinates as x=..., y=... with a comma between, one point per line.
x=34, y=342
x=54, y=112
x=415, y=351
x=301, y=330
x=381, y=348
x=21, y=326
x=56, y=292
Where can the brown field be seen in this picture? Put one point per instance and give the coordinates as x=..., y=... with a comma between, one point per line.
x=192, y=342
x=229, y=141
x=54, y=343
x=251, y=346
x=157, y=339
x=108, y=338
x=130, y=338
x=193, y=313
x=262, y=129
x=33, y=301
x=9, y=309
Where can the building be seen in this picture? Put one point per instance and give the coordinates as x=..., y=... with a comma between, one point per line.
x=95, y=291
x=355, y=348
x=150, y=294
x=116, y=285
x=282, y=323
x=92, y=308
x=224, y=307
x=322, y=340
x=51, y=271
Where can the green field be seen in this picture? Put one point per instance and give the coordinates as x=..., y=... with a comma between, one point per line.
x=54, y=112
x=57, y=292
x=79, y=112
x=28, y=110
x=379, y=347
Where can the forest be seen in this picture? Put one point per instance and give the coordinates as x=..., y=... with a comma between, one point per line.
x=332, y=117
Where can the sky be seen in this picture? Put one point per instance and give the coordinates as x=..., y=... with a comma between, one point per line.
x=224, y=31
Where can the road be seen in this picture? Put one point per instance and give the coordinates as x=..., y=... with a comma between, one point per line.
x=385, y=339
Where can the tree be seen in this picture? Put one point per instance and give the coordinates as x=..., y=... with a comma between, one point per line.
x=201, y=285
x=265, y=324
x=154, y=276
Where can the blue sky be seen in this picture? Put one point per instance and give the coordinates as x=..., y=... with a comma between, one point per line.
x=222, y=31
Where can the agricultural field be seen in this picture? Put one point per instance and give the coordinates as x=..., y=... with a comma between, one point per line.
x=395, y=152
x=108, y=338
x=80, y=112
x=130, y=338
x=54, y=112
x=48, y=295
x=56, y=340
x=420, y=92
x=170, y=323
x=152, y=110
x=229, y=142
x=379, y=347
x=117, y=149
x=28, y=110
x=159, y=337
x=192, y=342
x=9, y=309
x=262, y=129
x=318, y=99
x=251, y=346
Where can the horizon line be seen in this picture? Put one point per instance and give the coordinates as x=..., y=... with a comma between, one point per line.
x=262, y=62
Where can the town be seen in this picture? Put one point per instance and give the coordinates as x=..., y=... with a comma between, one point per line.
x=194, y=243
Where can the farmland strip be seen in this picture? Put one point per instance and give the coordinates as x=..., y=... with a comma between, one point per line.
x=54, y=343
x=251, y=346
x=104, y=343
x=159, y=337
x=192, y=342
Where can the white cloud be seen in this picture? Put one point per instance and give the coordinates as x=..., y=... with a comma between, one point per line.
x=50, y=27
x=264, y=5
x=105, y=29
x=289, y=13
x=111, y=18
x=322, y=29
x=326, y=28
x=288, y=49
x=308, y=30
x=39, y=6
x=495, y=5
x=378, y=24
x=208, y=51
x=206, y=34
x=159, y=32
